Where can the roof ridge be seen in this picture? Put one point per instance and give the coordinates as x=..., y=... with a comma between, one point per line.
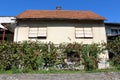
x=60, y=10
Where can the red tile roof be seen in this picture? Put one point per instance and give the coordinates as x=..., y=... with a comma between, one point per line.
x=59, y=14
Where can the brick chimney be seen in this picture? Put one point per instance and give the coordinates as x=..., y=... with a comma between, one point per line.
x=58, y=8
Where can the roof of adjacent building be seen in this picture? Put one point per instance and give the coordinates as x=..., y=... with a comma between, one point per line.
x=10, y=22
x=112, y=24
x=59, y=14
x=7, y=19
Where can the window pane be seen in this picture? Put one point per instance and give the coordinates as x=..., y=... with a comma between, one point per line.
x=88, y=35
x=32, y=35
x=114, y=31
x=79, y=32
x=88, y=32
x=42, y=32
x=33, y=32
x=119, y=31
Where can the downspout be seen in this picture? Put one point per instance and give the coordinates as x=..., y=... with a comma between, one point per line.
x=16, y=34
x=4, y=30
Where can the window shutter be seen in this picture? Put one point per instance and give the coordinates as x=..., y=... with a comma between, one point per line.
x=79, y=32
x=88, y=32
x=42, y=32
x=33, y=32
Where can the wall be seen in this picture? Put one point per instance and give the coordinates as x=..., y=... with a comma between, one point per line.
x=61, y=31
x=21, y=34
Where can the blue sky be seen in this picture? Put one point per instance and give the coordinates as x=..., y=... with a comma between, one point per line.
x=109, y=9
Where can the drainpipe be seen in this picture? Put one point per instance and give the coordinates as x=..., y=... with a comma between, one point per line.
x=3, y=35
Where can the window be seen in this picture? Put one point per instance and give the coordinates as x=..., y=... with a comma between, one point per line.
x=79, y=32
x=115, y=31
x=73, y=57
x=42, y=32
x=119, y=31
x=83, y=32
x=38, y=32
x=33, y=32
x=88, y=32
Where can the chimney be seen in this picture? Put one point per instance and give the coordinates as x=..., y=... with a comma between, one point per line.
x=58, y=8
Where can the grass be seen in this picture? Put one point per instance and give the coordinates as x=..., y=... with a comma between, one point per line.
x=52, y=71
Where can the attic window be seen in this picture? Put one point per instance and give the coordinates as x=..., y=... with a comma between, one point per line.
x=38, y=32
x=83, y=32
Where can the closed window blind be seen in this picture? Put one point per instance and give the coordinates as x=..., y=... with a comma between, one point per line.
x=88, y=32
x=33, y=32
x=83, y=32
x=79, y=32
x=37, y=32
x=42, y=32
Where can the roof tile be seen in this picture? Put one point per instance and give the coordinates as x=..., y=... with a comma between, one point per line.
x=59, y=14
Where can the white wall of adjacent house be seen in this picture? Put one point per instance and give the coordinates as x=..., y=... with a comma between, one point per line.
x=9, y=21
x=64, y=32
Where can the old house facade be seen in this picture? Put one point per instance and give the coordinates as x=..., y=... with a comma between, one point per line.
x=60, y=26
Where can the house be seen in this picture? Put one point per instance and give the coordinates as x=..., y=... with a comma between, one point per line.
x=60, y=26
x=112, y=30
x=7, y=24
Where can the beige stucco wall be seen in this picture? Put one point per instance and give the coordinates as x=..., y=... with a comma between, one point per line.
x=59, y=32
x=21, y=34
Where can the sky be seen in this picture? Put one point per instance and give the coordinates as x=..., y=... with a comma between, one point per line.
x=110, y=9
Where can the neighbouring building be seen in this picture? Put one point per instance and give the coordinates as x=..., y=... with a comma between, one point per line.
x=112, y=30
x=7, y=25
x=60, y=26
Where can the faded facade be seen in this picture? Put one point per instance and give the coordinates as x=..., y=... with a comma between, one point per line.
x=61, y=26
x=62, y=31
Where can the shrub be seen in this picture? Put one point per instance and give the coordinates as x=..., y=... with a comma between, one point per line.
x=8, y=55
x=91, y=56
x=114, y=50
x=49, y=55
x=29, y=55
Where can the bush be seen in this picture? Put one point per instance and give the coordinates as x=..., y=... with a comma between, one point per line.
x=8, y=55
x=90, y=55
x=29, y=55
x=49, y=55
x=86, y=55
x=114, y=50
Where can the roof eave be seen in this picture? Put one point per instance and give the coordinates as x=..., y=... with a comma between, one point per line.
x=57, y=19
